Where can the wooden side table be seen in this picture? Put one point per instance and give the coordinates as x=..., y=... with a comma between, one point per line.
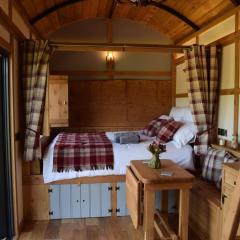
x=139, y=174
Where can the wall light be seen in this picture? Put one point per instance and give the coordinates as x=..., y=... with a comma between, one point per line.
x=110, y=60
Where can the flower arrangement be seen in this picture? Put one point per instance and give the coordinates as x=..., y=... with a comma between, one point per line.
x=156, y=149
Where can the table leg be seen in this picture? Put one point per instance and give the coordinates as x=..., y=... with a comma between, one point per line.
x=149, y=209
x=183, y=214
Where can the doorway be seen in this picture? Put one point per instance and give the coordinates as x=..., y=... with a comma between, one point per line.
x=6, y=209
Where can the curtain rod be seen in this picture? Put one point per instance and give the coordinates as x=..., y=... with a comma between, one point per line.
x=67, y=46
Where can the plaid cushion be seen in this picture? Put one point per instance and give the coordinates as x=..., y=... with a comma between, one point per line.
x=151, y=130
x=228, y=158
x=167, y=132
x=212, y=166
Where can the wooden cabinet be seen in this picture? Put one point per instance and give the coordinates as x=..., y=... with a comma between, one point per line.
x=229, y=179
x=58, y=101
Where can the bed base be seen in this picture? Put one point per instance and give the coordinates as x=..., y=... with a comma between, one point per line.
x=102, y=196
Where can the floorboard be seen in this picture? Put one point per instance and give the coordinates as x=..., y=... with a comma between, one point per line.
x=119, y=228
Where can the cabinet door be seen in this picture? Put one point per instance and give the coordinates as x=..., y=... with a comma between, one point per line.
x=133, y=197
x=58, y=101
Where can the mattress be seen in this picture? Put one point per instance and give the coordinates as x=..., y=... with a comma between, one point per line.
x=123, y=154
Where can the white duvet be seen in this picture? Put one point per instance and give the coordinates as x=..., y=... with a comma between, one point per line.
x=123, y=154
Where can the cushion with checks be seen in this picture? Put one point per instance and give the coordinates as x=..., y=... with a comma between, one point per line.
x=150, y=130
x=154, y=126
x=228, y=158
x=166, y=133
x=212, y=166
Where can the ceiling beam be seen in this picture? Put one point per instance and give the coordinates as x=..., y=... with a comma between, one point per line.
x=176, y=14
x=236, y=2
x=53, y=9
x=158, y=5
x=111, y=12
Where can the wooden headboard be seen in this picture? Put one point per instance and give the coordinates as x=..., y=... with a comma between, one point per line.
x=115, y=104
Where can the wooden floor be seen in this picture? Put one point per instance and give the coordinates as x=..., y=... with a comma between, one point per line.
x=119, y=228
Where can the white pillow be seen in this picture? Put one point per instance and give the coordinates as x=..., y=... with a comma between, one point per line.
x=185, y=134
x=183, y=114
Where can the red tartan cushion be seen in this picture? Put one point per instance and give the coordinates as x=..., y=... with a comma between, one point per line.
x=166, y=133
x=151, y=130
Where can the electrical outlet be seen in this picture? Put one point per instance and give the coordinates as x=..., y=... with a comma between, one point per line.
x=222, y=132
x=225, y=132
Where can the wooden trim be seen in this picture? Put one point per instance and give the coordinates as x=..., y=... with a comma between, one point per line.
x=231, y=91
x=114, y=199
x=181, y=95
x=9, y=25
x=236, y=82
x=113, y=73
x=122, y=47
x=218, y=19
x=38, y=180
x=4, y=44
x=21, y=10
x=234, y=152
x=174, y=75
x=226, y=40
x=110, y=30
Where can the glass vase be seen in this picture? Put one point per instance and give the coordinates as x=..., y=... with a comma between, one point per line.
x=155, y=162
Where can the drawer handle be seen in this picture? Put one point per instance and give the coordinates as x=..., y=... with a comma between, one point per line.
x=223, y=198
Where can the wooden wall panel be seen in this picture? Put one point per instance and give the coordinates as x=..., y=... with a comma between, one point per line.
x=114, y=103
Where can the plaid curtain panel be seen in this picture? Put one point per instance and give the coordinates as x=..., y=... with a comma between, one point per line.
x=35, y=70
x=202, y=77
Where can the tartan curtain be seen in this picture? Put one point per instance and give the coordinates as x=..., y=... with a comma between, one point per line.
x=36, y=56
x=202, y=77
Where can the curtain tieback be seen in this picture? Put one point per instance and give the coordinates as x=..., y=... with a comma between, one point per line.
x=204, y=131
x=37, y=139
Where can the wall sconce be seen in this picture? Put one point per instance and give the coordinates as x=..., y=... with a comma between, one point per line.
x=110, y=60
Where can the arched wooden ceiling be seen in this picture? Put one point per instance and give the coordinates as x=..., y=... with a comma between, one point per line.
x=48, y=16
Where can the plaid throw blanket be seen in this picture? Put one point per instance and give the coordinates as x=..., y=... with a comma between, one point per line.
x=82, y=151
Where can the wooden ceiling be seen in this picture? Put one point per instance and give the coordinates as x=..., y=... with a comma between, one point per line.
x=199, y=12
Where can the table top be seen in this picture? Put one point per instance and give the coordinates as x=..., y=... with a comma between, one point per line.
x=149, y=175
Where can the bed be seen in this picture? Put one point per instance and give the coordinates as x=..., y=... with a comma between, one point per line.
x=123, y=154
x=72, y=194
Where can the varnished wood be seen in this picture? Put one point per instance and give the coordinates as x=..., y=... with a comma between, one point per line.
x=231, y=207
x=152, y=176
x=122, y=47
x=181, y=95
x=38, y=180
x=58, y=100
x=113, y=73
x=133, y=197
x=114, y=199
x=36, y=202
x=82, y=229
x=205, y=204
x=8, y=24
x=183, y=213
x=148, y=218
x=153, y=181
x=158, y=18
x=235, y=152
x=210, y=24
x=118, y=103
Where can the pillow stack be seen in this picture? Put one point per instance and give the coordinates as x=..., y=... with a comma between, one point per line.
x=212, y=166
